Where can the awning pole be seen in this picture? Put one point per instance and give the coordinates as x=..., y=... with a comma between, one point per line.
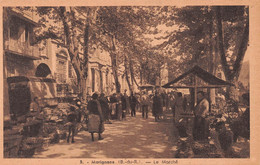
x=195, y=90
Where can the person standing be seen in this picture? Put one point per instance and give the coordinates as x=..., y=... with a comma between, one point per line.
x=123, y=100
x=157, y=106
x=163, y=95
x=118, y=107
x=104, y=106
x=113, y=103
x=133, y=102
x=95, y=117
x=171, y=102
x=127, y=102
x=144, y=103
x=200, y=129
x=72, y=123
x=178, y=106
x=80, y=115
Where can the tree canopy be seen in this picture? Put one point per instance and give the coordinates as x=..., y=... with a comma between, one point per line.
x=144, y=38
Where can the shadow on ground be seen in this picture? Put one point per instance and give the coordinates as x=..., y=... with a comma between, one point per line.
x=133, y=138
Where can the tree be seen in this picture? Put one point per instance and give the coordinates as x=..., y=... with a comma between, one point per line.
x=119, y=31
x=65, y=25
x=110, y=28
x=232, y=45
x=208, y=36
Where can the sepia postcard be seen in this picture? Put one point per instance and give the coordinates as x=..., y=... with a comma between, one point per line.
x=130, y=82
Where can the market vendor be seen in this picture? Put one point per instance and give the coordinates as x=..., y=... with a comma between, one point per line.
x=201, y=129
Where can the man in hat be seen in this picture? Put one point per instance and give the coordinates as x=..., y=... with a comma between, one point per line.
x=133, y=102
x=144, y=103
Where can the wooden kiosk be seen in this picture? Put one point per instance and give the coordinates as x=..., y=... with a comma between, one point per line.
x=199, y=79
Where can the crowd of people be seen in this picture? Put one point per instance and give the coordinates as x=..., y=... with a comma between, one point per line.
x=103, y=109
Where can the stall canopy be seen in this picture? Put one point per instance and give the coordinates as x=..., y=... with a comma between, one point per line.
x=196, y=71
x=148, y=87
x=211, y=80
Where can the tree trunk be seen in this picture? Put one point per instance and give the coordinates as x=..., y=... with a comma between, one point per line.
x=126, y=74
x=72, y=47
x=83, y=89
x=241, y=51
x=141, y=74
x=221, y=44
x=231, y=75
x=85, y=63
x=212, y=64
x=128, y=82
x=114, y=70
x=132, y=73
x=114, y=64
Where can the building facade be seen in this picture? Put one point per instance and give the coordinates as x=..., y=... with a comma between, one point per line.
x=100, y=77
x=19, y=54
x=22, y=57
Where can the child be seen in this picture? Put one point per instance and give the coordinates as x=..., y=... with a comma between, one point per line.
x=72, y=122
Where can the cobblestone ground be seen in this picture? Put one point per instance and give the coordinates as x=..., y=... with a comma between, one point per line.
x=133, y=138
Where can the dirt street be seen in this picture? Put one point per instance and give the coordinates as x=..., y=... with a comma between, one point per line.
x=133, y=138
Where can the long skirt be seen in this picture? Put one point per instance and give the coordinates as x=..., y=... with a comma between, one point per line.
x=94, y=124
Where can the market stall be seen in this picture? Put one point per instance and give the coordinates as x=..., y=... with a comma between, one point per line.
x=197, y=78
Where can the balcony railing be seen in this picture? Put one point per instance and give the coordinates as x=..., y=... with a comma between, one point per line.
x=22, y=48
x=25, y=14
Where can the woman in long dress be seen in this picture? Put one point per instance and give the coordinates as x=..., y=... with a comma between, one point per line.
x=95, y=118
x=178, y=106
x=157, y=106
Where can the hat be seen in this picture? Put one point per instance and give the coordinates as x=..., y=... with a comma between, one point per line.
x=95, y=96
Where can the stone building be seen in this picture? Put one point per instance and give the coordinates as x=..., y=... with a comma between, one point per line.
x=21, y=57
x=61, y=69
x=19, y=54
x=100, y=77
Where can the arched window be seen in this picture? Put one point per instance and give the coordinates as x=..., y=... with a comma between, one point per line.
x=42, y=70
